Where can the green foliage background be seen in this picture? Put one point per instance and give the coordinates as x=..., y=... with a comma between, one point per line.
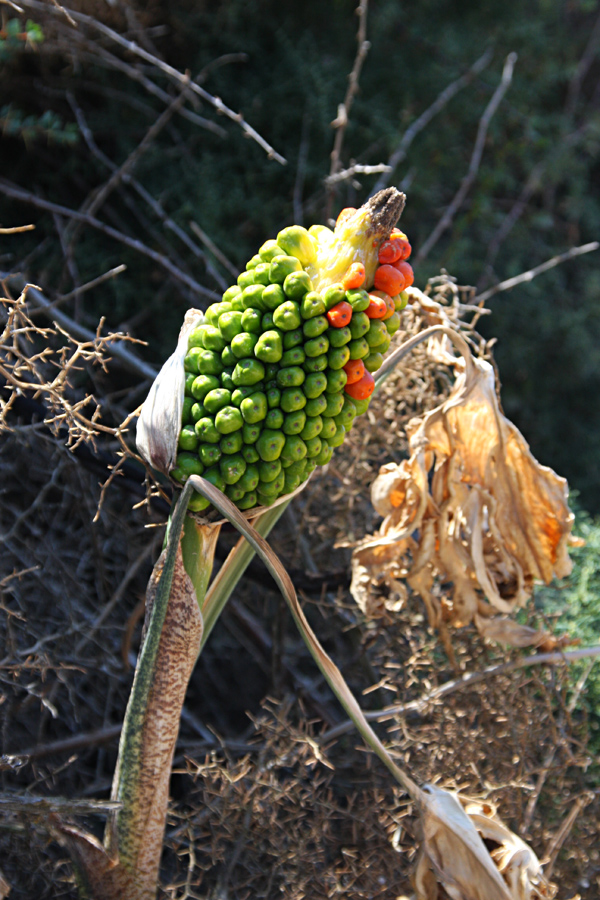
x=297, y=58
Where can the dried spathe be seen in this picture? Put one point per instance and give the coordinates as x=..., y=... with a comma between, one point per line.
x=454, y=858
x=159, y=423
x=470, y=507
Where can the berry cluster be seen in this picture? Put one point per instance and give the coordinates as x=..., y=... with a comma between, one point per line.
x=277, y=372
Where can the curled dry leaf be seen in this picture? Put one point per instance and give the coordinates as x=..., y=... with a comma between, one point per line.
x=471, y=506
x=159, y=423
x=455, y=862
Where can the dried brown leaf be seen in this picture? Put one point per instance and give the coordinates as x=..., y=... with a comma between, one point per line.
x=471, y=506
x=455, y=859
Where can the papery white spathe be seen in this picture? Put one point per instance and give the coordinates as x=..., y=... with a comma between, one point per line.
x=159, y=423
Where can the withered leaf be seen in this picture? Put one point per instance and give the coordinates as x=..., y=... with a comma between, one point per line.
x=471, y=506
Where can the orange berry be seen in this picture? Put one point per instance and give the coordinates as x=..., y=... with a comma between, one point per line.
x=362, y=389
x=354, y=277
x=340, y=314
x=390, y=252
x=405, y=269
x=389, y=279
x=388, y=302
x=377, y=307
x=354, y=369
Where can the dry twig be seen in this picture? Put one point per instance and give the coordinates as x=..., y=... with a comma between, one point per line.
x=446, y=220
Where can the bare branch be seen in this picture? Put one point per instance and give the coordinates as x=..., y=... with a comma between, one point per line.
x=467, y=680
x=127, y=167
x=341, y=121
x=175, y=74
x=468, y=180
x=143, y=193
x=356, y=169
x=425, y=118
x=582, y=69
x=17, y=193
x=16, y=229
x=531, y=274
x=529, y=188
x=88, y=286
x=227, y=264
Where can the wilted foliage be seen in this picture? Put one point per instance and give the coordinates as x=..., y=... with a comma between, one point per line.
x=470, y=507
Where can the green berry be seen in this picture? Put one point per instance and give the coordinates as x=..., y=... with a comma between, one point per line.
x=294, y=422
x=316, y=363
x=336, y=380
x=274, y=419
x=312, y=305
x=360, y=324
x=270, y=444
x=249, y=452
x=315, y=384
x=269, y=347
x=188, y=464
x=292, y=376
x=210, y=363
x=313, y=447
x=317, y=406
x=273, y=296
x=293, y=357
x=269, y=470
x=231, y=292
x=254, y=408
x=216, y=400
x=373, y=361
x=281, y=267
x=249, y=479
x=210, y=454
x=338, y=337
x=335, y=293
x=312, y=328
x=269, y=250
x=228, y=419
x=232, y=443
x=248, y=501
x=252, y=297
x=230, y=324
x=232, y=468
x=248, y=371
x=206, y=431
x=296, y=285
x=359, y=349
x=251, y=321
x=245, y=279
x=338, y=357
x=313, y=427
x=188, y=439
x=292, y=398
x=202, y=384
x=287, y=316
x=190, y=361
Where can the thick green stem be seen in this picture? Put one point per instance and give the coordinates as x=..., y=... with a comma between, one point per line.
x=232, y=570
x=167, y=658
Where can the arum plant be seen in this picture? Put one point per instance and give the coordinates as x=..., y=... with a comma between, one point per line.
x=258, y=392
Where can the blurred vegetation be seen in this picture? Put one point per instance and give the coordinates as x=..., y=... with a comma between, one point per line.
x=287, y=75
x=574, y=606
